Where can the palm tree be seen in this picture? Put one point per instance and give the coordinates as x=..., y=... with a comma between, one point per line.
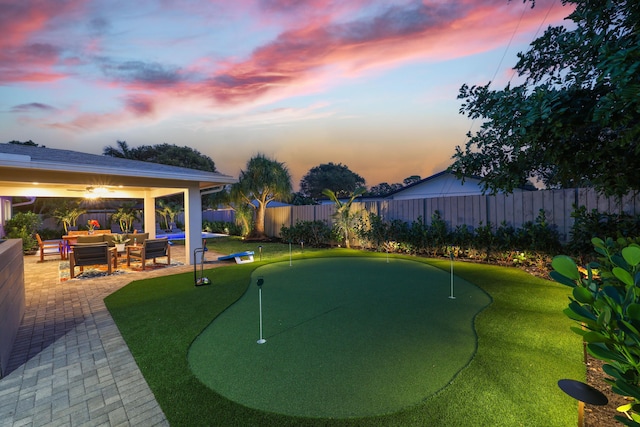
x=344, y=219
x=68, y=215
x=122, y=151
x=125, y=217
x=168, y=210
x=264, y=180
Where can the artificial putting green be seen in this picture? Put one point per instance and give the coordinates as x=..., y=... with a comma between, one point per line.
x=346, y=337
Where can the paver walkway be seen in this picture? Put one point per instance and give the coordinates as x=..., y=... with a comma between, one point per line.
x=70, y=366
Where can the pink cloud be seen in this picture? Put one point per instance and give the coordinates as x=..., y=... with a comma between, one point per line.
x=393, y=37
x=24, y=56
x=322, y=43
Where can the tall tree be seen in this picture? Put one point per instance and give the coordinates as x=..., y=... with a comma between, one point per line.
x=261, y=182
x=335, y=177
x=575, y=119
x=166, y=154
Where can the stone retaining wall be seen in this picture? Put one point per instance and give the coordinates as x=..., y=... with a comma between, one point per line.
x=12, y=297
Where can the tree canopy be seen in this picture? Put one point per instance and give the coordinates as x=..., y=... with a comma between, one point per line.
x=575, y=119
x=336, y=177
x=166, y=154
x=262, y=181
x=384, y=188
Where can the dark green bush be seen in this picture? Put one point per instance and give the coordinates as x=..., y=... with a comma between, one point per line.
x=589, y=224
x=24, y=225
x=311, y=233
x=507, y=244
x=50, y=234
x=222, y=227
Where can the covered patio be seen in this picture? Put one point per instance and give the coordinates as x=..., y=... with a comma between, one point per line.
x=29, y=171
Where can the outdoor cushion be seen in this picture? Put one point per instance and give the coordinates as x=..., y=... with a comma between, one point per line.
x=91, y=238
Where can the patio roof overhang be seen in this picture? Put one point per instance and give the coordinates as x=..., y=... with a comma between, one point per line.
x=29, y=171
x=23, y=176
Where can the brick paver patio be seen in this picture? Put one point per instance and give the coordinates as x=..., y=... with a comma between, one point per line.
x=70, y=366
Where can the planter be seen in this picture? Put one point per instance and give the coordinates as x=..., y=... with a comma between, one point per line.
x=120, y=247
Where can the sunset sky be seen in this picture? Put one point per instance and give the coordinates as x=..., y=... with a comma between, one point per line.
x=370, y=84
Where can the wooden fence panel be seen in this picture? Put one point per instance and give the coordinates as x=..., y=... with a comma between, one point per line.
x=275, y=218
x=223, y=215
x=514, y=209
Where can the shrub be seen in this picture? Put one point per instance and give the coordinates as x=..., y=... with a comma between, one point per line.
x=23, y=226
x=223, y=227
x=594, y=223
x=50, y=234
x=606, y=304
x=312, y=233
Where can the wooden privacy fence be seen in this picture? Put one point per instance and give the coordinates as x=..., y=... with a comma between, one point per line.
x=513, y=209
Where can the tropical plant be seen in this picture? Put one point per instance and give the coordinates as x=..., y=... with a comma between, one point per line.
x=125, y=216
x=345, y=221
x=263, y=181
x=68, y=215
x=168, y=211
x=119, y=238
x=606, y=302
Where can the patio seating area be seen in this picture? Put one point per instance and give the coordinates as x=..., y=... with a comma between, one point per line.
x=69, y=364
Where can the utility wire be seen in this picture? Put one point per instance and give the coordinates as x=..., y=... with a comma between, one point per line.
x=513, y=34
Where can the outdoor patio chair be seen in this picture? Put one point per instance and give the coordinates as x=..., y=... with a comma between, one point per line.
x=150, y=249
x=84, y=254
x=50, y=247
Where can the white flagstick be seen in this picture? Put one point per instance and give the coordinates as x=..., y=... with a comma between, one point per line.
x=260, y=282
x=289, y=254
x=451, y=296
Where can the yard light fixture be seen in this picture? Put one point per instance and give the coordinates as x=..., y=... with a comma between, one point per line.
x=260, y=283
x=583, y=393
x=260, y=251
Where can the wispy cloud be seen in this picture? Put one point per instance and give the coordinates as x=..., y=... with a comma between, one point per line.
x=318, y=44
x=269, y=117
x=31, y=107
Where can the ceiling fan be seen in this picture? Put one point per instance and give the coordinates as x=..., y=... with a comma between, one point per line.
x=93, y=191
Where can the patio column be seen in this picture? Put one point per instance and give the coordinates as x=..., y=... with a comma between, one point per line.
x=192, y=222
x=150, y=215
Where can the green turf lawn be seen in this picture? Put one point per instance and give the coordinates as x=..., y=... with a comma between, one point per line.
x=524, y=348
x=346, y=337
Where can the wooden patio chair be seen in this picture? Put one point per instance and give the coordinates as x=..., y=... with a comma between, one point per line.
x=150, y=249
x=50, y=247
x=84, y=254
